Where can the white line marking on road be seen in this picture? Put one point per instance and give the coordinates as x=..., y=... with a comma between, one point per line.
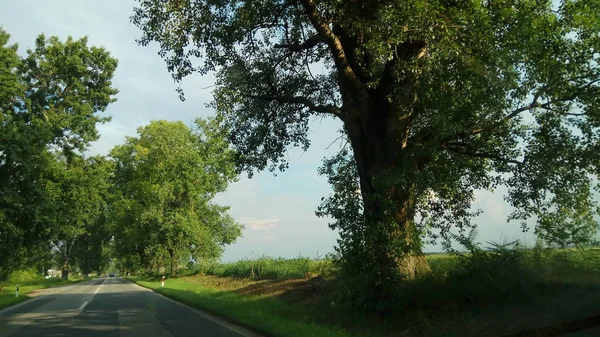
x=94, y=295
x=83, y=305
x=95, y=292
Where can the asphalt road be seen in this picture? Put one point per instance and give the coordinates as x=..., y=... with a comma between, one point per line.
x=109, y=307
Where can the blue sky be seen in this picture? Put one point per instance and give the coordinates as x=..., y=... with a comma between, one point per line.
x=278, y=211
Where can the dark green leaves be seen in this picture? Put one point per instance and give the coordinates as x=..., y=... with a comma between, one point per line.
x=165, y=181
x=49, y=105
x=448, y=96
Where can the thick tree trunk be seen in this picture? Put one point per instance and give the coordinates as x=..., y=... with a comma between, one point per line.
x=388, y=168
x=397, y=242
x=65, y=264
x=65, y=272
x=172, y=258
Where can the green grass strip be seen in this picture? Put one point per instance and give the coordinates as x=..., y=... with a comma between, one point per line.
x=268, y=316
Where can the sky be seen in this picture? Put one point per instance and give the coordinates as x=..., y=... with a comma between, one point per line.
x=278, y=211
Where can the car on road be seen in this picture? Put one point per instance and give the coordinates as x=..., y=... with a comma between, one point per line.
x=111, y=275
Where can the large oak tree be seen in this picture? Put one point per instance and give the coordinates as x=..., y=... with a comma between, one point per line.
x=437, y=98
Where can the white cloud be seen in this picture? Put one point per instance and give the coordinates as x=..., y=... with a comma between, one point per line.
x=260, y=224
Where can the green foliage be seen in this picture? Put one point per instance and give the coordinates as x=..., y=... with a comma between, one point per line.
x=267, y=268
x=165, y=181
x=566, y=228
x=25, y=275
x=49, y=105
x=437, y=99
x=84, y=197
x=494, y=291
x=503, y=274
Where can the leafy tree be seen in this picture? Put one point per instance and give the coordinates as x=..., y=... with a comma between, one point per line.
x=81, y=204
x=49, y=103
x=437, y=99
x=91, y=250
x=565, y=229
x=166, y=178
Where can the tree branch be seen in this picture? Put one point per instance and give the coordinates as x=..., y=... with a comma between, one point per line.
x=335, y=140
x=467, y=151
x=534, y=104
x=330, y=109
x=335, y=46
x=308, y=44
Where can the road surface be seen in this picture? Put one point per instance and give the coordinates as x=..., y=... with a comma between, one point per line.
x=109, y=307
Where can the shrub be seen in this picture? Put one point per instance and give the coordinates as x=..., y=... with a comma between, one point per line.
x=24, y=275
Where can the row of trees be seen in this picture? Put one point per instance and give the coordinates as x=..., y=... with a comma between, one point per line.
x=164, y=182
x=147, y=204
x=49, y=104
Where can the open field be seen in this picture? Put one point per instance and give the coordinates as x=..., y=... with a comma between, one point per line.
x=487, y=294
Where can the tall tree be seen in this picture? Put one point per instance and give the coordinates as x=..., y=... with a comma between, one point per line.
x=49, y=103
x=437, y=98
x=167, y=178
x=81, y=202
x=91, y=251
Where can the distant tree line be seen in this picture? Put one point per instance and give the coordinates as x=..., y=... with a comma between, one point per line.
x=149, y=202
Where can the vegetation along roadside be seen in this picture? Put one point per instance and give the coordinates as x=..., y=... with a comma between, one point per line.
x=472, y=294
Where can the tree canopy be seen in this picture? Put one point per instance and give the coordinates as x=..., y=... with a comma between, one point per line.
x=81, y=204
x=50, y=102
x=437, y=99
x=165, y=180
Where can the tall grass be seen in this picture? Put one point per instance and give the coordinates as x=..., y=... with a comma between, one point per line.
x=459, y=286
x=268, y=268
x=494, y=264
x=501, y=274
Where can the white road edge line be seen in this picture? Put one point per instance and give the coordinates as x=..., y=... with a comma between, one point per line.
x=83, y=305
x=235, y=328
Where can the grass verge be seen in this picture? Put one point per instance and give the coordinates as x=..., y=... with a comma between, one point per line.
x=7, y=295
x=486, y=293
x=265, y=315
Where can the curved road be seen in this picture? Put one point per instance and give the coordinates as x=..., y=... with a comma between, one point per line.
x=109, y=307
